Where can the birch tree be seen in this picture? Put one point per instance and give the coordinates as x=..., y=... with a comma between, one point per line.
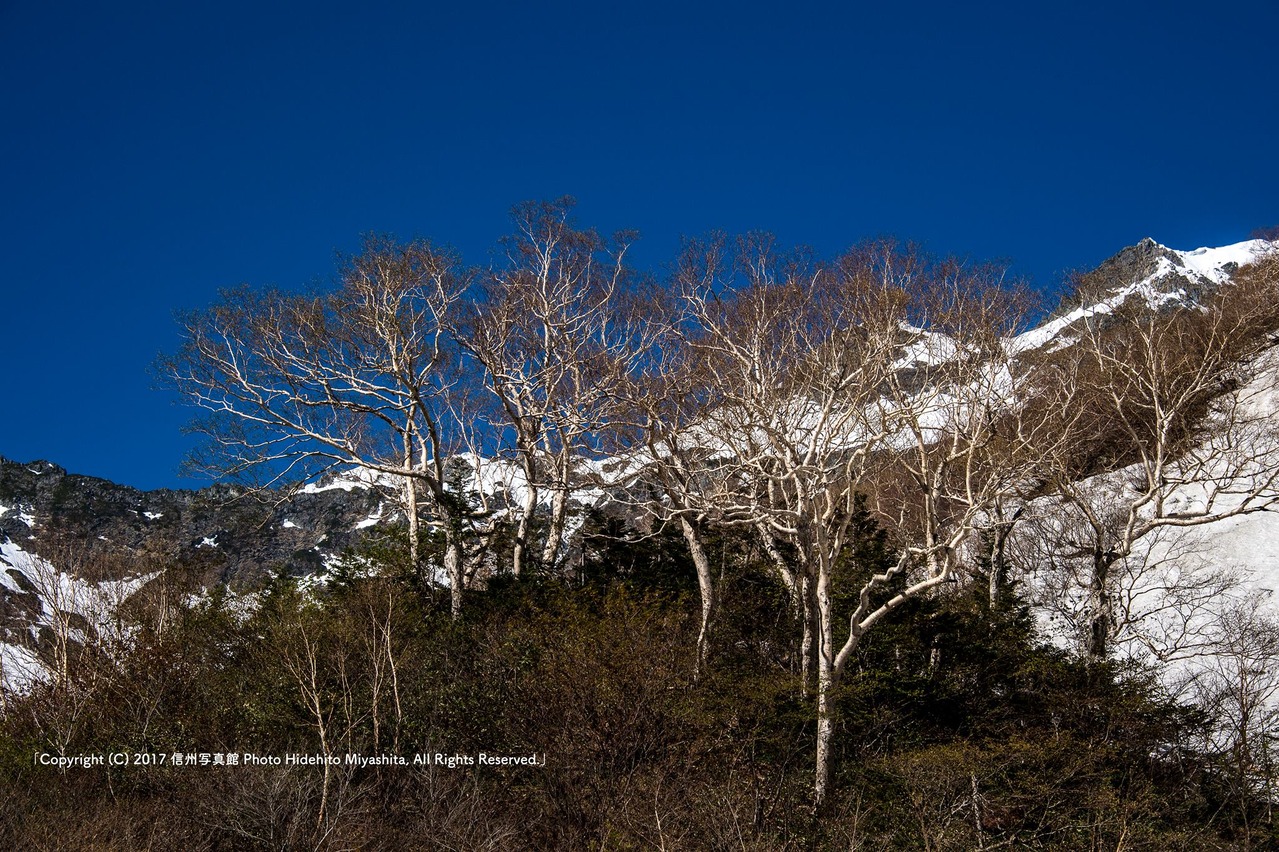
x=297, y=384
x=950, y=447
x=547, y=334
x=818, y=397
x=1169, y=427
x=668, y=472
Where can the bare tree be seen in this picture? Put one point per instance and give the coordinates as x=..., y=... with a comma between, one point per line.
x=953, y=448
x=548, y=336
x=827, y=387
x=665, y=464
x=1167, y=427
x=1236, y=684
x=297, y=384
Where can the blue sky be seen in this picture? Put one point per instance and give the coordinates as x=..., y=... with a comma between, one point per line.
x=151, y=153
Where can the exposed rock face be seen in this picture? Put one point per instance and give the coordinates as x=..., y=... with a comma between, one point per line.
x=1137, y=262
x=240, y=538
x=1165, y=277
x=54, y=525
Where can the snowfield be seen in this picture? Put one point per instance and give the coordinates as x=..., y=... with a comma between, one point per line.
x=63, y=602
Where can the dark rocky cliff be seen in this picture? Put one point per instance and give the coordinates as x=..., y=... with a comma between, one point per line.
x=238, y=537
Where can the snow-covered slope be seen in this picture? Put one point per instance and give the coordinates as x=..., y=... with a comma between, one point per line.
x=1157, y=275
x=1195, y=600
x=48, y=610
x=1178, y=580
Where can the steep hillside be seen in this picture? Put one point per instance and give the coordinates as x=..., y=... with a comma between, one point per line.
x=52, y=521
x=240, y=537
x=72, y=547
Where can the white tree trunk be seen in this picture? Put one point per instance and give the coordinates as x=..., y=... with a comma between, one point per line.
x=808, y=612
x=410, y=511
x=559, y=512
x=706, y=586
x=522, y=547
x=826, y=684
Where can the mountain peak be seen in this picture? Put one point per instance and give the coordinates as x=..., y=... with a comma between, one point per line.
x=1137, y=263
x=1149, y=271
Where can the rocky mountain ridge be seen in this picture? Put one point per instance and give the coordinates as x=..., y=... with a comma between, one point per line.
x=241, y=537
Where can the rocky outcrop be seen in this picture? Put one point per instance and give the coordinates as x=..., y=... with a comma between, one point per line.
x=236, y=536
x=1166, y=278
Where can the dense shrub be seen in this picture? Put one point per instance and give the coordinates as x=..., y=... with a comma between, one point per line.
x=960, y=729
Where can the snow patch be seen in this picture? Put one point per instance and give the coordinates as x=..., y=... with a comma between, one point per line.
x=929, y=349
x=20, y=668
x=60, y=593
x=349, y=480
x=312, y=584
x=7, y=581
x=372, y=519
x=1211, y=262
